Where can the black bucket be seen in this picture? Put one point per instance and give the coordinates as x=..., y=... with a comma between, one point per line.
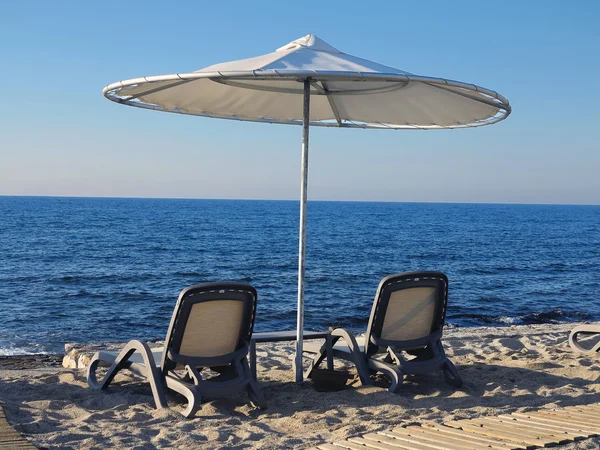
x=326, y=380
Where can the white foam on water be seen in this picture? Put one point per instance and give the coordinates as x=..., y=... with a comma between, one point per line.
x=15, y=350
x=508, y=320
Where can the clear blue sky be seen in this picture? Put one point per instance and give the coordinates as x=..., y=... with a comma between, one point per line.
x=59, y=136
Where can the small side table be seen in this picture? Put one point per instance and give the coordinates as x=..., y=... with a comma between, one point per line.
x=278, y=336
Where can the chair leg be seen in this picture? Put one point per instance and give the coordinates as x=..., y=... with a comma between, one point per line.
x=393, y=371
x=92, y=379
x=358, y=357
x=451, y=374
x=326, y=351
x=252, y=354
x=449, y=369
x=329, y=343
x=189, y=392
x=122, y=362
x=256, y=396
x=254, y=391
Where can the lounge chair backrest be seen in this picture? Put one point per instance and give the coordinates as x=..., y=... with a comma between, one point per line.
x=211, y=324
x=408, y=308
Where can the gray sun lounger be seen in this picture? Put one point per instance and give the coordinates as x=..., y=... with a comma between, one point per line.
x=404, y=332
x=211, y=327
x=585, y=331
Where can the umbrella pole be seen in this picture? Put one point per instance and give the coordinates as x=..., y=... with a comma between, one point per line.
x=302, y=240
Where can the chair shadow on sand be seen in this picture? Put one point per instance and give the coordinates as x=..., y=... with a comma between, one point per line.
x=505, y=389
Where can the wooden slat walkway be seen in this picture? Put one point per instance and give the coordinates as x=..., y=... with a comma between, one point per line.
x=10, y=438
x=534, y=429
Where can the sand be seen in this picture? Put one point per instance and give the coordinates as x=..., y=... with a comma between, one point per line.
x=517, y=368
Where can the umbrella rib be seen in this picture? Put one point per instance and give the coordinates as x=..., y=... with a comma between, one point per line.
x=334, y=109
x=492, y=103
x=158, y=89
x=318, y=87
x=238, y=84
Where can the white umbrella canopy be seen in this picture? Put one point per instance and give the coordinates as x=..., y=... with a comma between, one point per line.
x=308, y=82
x=346, y=91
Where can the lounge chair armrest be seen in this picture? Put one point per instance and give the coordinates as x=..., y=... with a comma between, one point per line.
x=115, y=362
x=346, y=335
x=358, y=356
x=152, y=372
x=583, y=331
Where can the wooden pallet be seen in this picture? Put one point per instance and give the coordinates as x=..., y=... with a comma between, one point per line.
x=534, y=429
x=10, y=438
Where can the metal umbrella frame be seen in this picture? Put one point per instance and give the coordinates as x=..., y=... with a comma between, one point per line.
x=307, y=78
x=318, y=81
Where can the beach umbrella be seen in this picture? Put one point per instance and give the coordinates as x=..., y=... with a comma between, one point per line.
x=310, y=83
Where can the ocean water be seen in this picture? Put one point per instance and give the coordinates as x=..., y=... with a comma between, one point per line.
x=101, y=269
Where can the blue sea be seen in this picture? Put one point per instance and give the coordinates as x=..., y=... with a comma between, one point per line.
x=108, y=269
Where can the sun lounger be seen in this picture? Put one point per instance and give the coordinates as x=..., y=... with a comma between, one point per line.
x=404, y=332
x=211, y=327
x=585, y=331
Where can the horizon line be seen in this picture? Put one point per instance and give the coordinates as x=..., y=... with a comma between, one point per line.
x=298, y=200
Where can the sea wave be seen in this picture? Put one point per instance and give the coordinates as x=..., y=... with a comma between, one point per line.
x=11, y=349
x=555, y=315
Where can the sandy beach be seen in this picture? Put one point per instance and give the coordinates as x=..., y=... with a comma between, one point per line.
x=517, y=368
